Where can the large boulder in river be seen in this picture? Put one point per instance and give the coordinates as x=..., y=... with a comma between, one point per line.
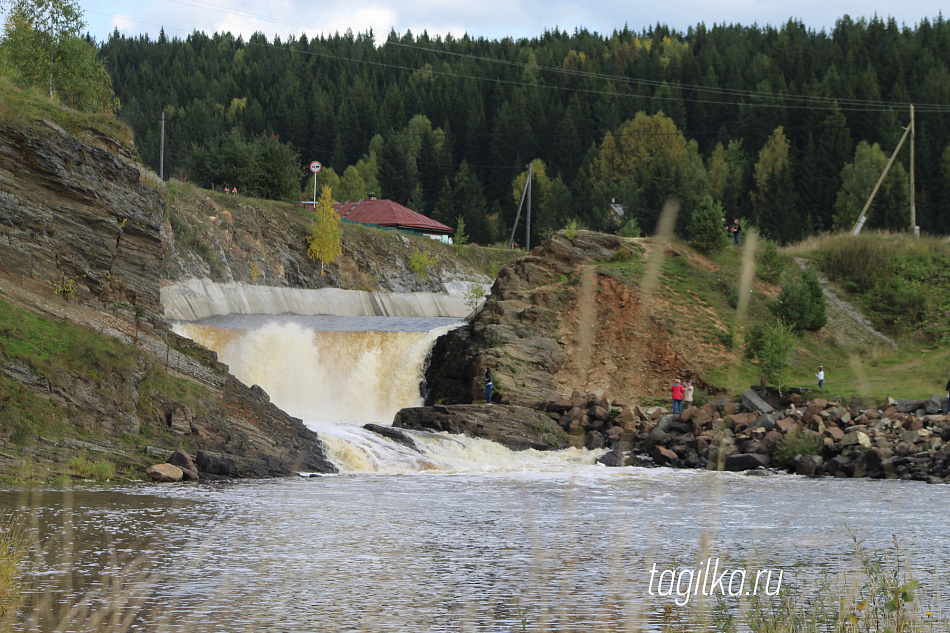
x=515, y=427
x=164, y=473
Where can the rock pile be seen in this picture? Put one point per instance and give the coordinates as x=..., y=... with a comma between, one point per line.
x=904, y=439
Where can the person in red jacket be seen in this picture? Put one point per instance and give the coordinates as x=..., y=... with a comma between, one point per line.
x=677, y=397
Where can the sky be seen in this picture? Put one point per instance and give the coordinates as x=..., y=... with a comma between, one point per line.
x=491, y=19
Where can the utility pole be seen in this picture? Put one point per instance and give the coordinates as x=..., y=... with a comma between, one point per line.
x=527, y=239
x=860, y=222
x=913, y=207
x=525, y=193
x=161, y=151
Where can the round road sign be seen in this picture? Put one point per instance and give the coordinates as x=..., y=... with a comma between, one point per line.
x=315, y=166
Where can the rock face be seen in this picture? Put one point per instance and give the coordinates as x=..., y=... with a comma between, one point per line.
x=78, y=219
x=81, y=240
x=537, y=330
x=517, y=428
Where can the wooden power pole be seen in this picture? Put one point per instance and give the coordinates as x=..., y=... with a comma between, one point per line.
x=860, y=222
x=161, y=151
x=913, y=207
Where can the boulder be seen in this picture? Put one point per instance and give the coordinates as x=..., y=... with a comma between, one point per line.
x=595, y=440
x=164, y=473
x=514, y=427
x=766, y=420
x=834, y=433
x=186, y=463
x=909, y=406
x=558, y=404
x=746, y=461
x=613, y=459
x=837, y=466
x=807, y=464
x=216, y=463
x=663, y=456
x=753, y=402
x=856, y=437
x=393, y=434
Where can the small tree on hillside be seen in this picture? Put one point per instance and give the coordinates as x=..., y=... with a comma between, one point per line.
x=770, y=346
x=461, y=238
x=706, y=228
x=325, y=234
x=801, y=304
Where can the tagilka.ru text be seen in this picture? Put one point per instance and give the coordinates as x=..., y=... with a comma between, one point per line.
x=707, y=580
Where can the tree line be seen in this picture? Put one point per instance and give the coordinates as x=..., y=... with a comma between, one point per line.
x=785, y=127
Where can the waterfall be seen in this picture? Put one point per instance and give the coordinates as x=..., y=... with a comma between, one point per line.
x=336, y=381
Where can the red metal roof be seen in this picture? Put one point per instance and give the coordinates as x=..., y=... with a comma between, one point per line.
x=388, y=213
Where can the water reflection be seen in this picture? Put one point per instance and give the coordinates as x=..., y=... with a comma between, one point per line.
x=438, y=552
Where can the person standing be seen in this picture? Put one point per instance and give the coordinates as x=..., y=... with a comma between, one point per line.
x=821, y=378
x=677, y=391
x=688, y=394
x=736, y=229
x=488, y=385
x=946, y=408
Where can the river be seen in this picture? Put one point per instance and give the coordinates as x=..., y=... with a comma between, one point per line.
x=466, y=537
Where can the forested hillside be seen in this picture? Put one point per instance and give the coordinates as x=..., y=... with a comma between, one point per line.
x=787, y=127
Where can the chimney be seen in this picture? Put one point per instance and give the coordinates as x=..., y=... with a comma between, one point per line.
x=372, y=196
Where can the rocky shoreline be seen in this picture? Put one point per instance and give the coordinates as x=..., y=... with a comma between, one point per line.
x=894, y=439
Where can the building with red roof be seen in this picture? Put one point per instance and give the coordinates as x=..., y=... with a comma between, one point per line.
x=388, y=214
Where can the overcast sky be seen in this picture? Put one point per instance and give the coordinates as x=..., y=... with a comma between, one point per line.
x=492, y=19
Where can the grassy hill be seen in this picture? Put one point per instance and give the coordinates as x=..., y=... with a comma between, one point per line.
x=900, y=284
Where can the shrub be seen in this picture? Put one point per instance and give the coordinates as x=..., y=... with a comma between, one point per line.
x=801, y=304
x=420, y=262
x=795, y=443
x=770, y=346
x=571, y=230
x=630, y=228
x=705, y=227
x=772, y=262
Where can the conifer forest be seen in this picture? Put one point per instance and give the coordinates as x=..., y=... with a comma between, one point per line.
x=787, y=128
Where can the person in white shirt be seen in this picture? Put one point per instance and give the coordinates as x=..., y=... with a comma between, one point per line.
x=688, y=395
x=821, y=377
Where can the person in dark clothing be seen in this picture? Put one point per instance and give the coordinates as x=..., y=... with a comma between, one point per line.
x=488, y=385
x=736, y=229
x=946, y=407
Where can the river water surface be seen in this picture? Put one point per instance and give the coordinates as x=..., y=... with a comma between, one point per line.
x=466, y=536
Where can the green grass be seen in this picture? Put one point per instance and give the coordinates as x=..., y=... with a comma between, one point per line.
x=47, y=345
x=96, y=469
x=22, y=108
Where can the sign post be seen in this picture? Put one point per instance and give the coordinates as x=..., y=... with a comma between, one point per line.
x=315, y=167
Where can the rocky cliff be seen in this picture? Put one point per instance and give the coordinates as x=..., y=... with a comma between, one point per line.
x=555, y=323
x=81, y=243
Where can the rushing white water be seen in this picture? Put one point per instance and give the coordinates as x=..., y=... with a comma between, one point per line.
x=336, y=381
